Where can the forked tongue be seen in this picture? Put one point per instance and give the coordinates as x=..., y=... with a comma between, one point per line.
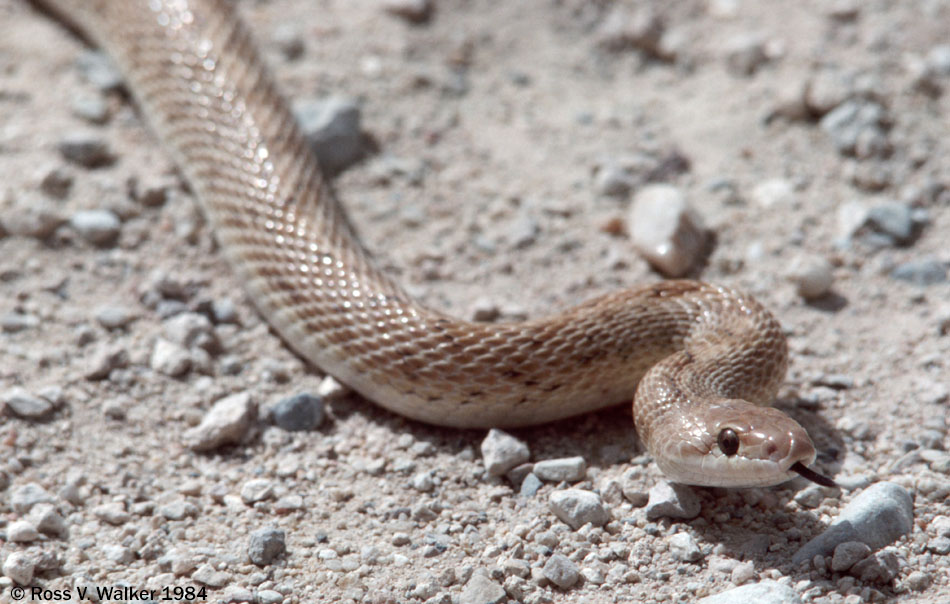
x=812, y=475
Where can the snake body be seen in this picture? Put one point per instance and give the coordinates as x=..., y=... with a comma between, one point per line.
x=698, y=360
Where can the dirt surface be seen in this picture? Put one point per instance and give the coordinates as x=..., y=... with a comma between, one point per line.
x=510, y=139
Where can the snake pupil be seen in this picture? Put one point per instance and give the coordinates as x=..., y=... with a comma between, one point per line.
x=728, y=442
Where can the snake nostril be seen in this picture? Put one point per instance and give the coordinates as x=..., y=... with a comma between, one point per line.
x=770, y=449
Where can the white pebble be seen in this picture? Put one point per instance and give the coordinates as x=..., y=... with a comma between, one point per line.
x=811, y=275
x=19, y=567
x=502, y=451
x=226, y=423
x=666, y=231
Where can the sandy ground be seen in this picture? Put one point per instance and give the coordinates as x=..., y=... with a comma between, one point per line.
x=500, y=119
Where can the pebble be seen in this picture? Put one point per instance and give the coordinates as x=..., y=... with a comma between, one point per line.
x=570, y=469
x=257, y=489
x=666, y=231
x=98, y=69
x=266, y=545
x=15, y=322
x=288, y=39
x=35, y=217
x=98, y=227
x=114, y=513
x=117, y=553
x=226, y=423
x=827, y=89
x=415, y=11
x=21, y=531
x=642, y=30
x=560, y=570
x=923, y=272
x=743, y=573
x=332, y=127
x=24, y=498
x=169, y=358
x=848, y=554
x=298, y=413
x=810, y=497
x=21, y=403
x=881, y=567
x=19, y=567
x=893, y=219
x=812, y=276
x=746, y=53
x=878, y=516
x=329, y=389
x=114, y=317
x=684, y=548
x=103, y=362
x=672, y=500
x=775, y=193
x=858, y=128
x=47, y=520
x=765, y=592
x=614, y=180
x=85, y=149
x=481, y=589
x=530, y=485
x=57, y=183
x=191, y=330
x=917, y=580
x=92, y=108
x=577, y=507
x=207, y=575
x=178, y=510
x=502, y=452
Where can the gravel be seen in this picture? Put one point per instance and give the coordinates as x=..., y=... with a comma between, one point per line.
x=480, y=589
x=672, y=500
x=225, y=423
x=98, y=227
x=666, y=230
x=570, y=469
x=19, y=567
x=766, y=592
x=23, y=404
x=684, y=548
x=266, y=546
x=298, y=413
x=85, y=149
x=561, y=571
x=577, y=507
x=502, y=452
x=23, y=498
x=332, y=127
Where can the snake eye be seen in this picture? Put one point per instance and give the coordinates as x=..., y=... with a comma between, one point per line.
x=728, y=442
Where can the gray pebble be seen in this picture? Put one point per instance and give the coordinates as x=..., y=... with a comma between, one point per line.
x=98, y=227
x=517, y=474
x=745, y=53
x=672, y=500
x=530, y=485
x=118, y=553
x=939, y=545
x=893, y=219
x=86, y=150
x=103, y=362
x=881, y=567
x=923, y=272
x=23, y=404
x=266, y=545
x=918, y=580
x=810, y=497
x=207, y=575
x=268, y=596
x=811, y=275
x=481, y=589
x=114, y=513
x=92, y=108
x=15, y=322
x=742, y=573
x=25, y=497
x=858, y=127
x=848, y=554
x=47, y=520
x=19, y=567
x=765, y=592
x=502, y=451
x=298, y=413
x=192, y=330
x=57, y=183
x=225, y=423
x=523, y=232
x=614, y=180
x=98, y=69
x=561, y=571
x=422, y=481
x=35, y=217
x=178, y=510
x=416, y=11
x=940, y=525
x=577, y=507
x=256, y=489
x=288, y=39
x=332, y=127
x=684, y=548
x=878, y=516
x=169, y=358
x=570, y=469
x=666, y=230
x=114, y=317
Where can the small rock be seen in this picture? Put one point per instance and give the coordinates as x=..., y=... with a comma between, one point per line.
x=106, y=360
x=577, y=507
x=332, y=127
x=192, y=330
x=23, y=404
x=570, y=469
x=98, y=227
x=893, y=219
x=743, y=573
x=485, y=309
x=917, y=580
x=297, y=413
x=47, y=520
x=881, y=567
x=19, y=567
x=257, y=489
x=118, y=554
x=92, y=108
x=178, y=510
x=810, y=497
x=561, y=571
x=923, y=272
x=765, y=592
x=57, y=183
x=114, y=317
x=86, y=150
x=330, y=389
x=826, y=90
x=666, y=231
x=530, y=485
x=878, y=516
x=642, y=30
x=15, y=322
x=114, y=513
x=416, y=11
x=614, y=180
x=684, y=548
x=502, y=451
x=848, y=554
x=858, y=128
x=266, y=545
x=480, y=589
x=169, y=358
x=35, y=217
x=745, y=53
x=672, y=500
x=811, y=276
x=98, y=69
x=24, y=498
x=21, y=531
x=226, y=423
x=207, y=575
x=776, y=193
x=288, y=39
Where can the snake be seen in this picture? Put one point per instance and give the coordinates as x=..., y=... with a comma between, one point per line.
x=700, y=362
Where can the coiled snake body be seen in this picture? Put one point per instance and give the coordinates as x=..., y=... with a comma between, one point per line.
x=698, y=359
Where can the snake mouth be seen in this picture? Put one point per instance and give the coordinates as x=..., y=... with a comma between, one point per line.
x=812, y=475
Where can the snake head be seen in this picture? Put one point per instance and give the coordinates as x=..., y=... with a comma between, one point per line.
x=733, y=443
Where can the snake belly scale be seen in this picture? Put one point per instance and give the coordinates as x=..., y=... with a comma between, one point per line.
x=699, y=361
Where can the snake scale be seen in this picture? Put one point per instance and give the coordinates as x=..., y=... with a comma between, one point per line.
x=700, y=362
